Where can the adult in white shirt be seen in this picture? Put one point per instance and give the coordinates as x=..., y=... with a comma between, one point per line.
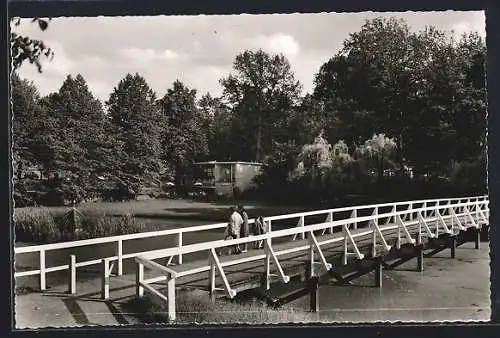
x=234, y=226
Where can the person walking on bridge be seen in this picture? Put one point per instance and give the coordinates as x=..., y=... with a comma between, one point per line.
x=245, y=230
x=234, y=227
x=258, y=229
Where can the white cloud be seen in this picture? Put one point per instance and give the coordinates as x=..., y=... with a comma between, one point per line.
x=148, y=54
x=282, y=43
x=61, y=63
x=92, y=61
x=278, y=43
x=466, y=27
x=100, y=89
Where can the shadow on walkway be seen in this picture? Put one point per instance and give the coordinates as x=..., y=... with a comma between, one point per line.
x=76, y=311
x=119, y=317
x=81, y=318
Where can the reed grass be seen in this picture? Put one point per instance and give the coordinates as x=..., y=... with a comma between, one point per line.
x=42, y=225
x=193, y=308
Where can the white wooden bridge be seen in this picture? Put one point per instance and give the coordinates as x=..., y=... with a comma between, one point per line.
x=317, y=243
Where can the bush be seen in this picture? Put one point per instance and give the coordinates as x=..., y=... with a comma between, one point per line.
x=27, y=192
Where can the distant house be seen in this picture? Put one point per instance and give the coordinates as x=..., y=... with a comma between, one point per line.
x=223, y=179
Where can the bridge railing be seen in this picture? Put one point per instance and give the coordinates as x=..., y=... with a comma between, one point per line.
x=179, y=233
x=411, y=225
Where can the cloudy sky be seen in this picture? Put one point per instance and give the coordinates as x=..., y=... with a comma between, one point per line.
x=199, y=50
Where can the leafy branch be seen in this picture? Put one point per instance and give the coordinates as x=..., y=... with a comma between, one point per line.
x=24, y=48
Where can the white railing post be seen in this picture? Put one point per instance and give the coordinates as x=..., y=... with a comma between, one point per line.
x=211, y=278
x=329, y=218
x=43, y=280
x=179, y=245
x=410, y=214
x=171, y=297
x=105, y=272
x=72, y=275
x=419, y=236
x=346, y=252
x=388, y=220
x=139, y=279
x=311, y=258
x=300, y=224
x=437, y=225
x=375, y=214
x=447, y=210
x=120, y=257
x=215, y=259
x=303, y=224
x=269, y=230
x=398, y=240
x=267, y=271
x=354, y=214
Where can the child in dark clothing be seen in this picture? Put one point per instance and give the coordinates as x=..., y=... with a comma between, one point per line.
x=258, y=229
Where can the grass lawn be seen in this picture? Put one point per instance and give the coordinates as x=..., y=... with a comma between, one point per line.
x=176, y=209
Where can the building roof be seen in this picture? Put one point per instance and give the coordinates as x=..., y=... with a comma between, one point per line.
x=230, y=162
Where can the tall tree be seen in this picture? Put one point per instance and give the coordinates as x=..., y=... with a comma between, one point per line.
x=71, y=141
x=261, y=93
x=136, y=122
x=419, y=87
x=217, y=126
x=27, y=118
x=184, y=138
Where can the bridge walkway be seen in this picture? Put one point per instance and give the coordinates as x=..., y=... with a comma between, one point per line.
x=294, y=258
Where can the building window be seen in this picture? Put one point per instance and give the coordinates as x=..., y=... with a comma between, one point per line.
x=224, y=174
x=208, y=173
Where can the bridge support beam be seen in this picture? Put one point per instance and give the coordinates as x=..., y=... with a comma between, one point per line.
x=420, y=258
x=375, y=265
x=477, y=238
x=439, y=244
x=313, y=286
x=453, y=246
x=378, y=272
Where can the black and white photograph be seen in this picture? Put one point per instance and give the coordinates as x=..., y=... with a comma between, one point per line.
x=250, y=169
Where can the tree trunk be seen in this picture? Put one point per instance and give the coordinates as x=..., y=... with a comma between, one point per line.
x=400, y=155
x=258, y=150
x=381, y=169
x=179, y=172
